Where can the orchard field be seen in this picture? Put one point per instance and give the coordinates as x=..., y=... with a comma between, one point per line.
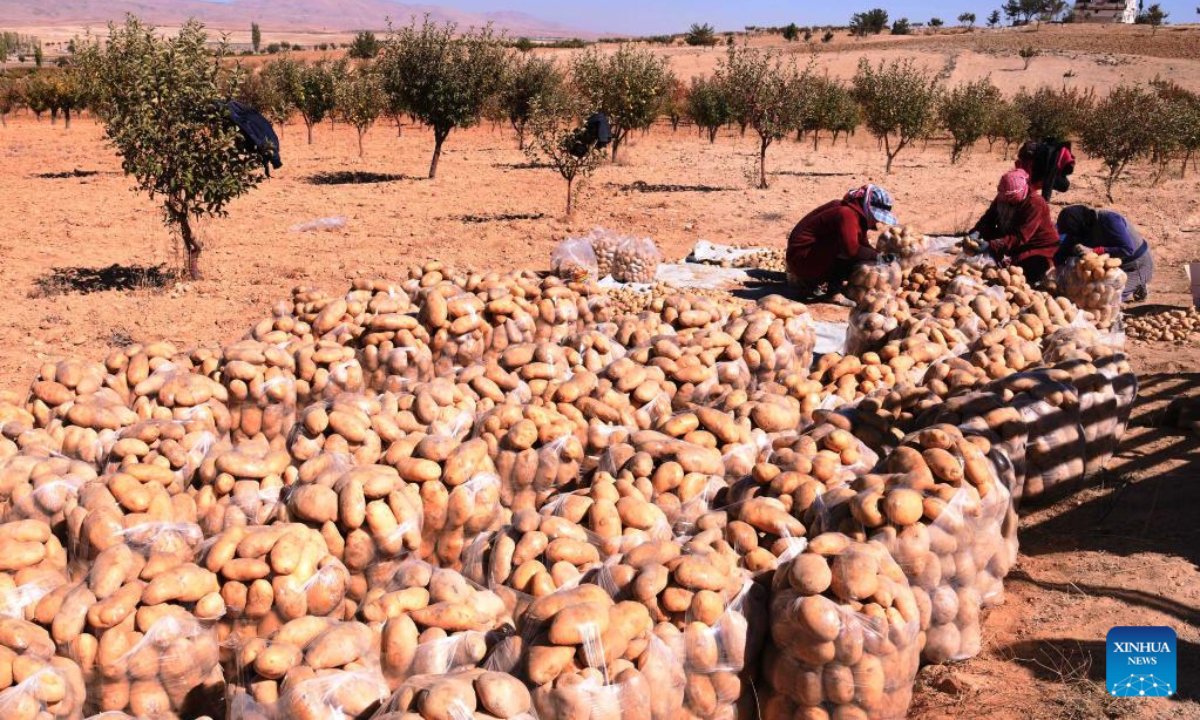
x=81, y=258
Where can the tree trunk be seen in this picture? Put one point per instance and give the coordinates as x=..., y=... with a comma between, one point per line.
x=53, y=116
x=360, y=145
x=439, y=137
x=1183, y=169
x=816, y=139
x=67, y=118
x=570, y=197
x=309, y=125
x=887, y=150
x=712, y=135
x=762, y=164
x=617, y=136
x=191, y=245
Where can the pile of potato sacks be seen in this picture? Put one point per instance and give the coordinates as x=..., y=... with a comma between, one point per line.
x=464, y=494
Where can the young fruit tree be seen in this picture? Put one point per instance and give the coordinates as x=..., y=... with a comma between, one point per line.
x=315, y=91
x=255, y=37
x=558, y=140
x=359, y=101
x=1121, y=129
x=162, y=103
x=68, y=94
x=1055, y=113
x=441, y=77
x=282, y=78
x=833, y=110
x=629, y=86
x=1007, y=123
x=966, y=113
x=899, y=102
x=708, y=106
x=532, y=80
x=766, y=94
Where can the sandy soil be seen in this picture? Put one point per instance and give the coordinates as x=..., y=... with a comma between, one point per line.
x=1123, y=552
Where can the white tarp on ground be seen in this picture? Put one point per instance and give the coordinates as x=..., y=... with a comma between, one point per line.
x=831, y=337
x=705, y=251
x=687, y=275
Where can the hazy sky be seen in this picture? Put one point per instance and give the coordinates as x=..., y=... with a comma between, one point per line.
x=663, y=16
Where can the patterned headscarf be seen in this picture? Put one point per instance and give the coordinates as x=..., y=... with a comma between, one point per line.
x=1013, y=187
x=875, y=201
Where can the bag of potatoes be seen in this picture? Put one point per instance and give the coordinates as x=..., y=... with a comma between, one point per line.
x=636, y=261
x=574, y=259
x=460, y=694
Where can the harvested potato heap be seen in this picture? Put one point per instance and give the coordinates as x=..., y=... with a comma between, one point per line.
x=1001, y=351
x=168, y=451
x=1094, y=283
x=433, y=620
x=310, y=667
x=242, y=484
x=535, y=451
x=35, y=684
x=878, y=275
x=470, y=692
x=42, y=487
x=850, y=377
x=272, y=574
x=260, y=380
x=454, y=318
x=1180, y=326
x=873, y=318
x=923, y=284
x=845, y=633
x=942, y=516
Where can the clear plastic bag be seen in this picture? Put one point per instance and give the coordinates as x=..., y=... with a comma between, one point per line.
x=48, y=688
x=826, y=654
x=574, y=259
x=878, y=274
x=636, y=260
x=873, y=319
x=1094, y=283
x=459, y=694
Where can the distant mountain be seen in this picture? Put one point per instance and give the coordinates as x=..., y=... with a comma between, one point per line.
x=314, y=15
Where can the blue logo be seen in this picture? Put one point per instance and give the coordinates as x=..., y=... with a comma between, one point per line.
x=1141, y=662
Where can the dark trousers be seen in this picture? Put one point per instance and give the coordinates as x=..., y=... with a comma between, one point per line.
x=1035, y=268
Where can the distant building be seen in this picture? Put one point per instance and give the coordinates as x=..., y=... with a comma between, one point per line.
x=1099, y=11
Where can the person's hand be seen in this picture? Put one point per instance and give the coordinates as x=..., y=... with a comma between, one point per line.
x=1082, y=250
x=973, y=236
x=1098, y=250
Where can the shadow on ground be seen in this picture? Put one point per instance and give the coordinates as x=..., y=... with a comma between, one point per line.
x=645, y=187
x=62, y=281
x=354, y=177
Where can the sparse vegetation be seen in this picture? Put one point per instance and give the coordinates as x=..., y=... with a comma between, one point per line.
x=1152, y=16
x=967, y=18
x=1007, y=123
x=359, y=100
x=365, y=46
x=700, y=35
x=560, y=142
x=1027, y=54
x=708, y=106
x=902, y=27
x=1055, y=113
x=532, y=82
x=160, y=100
x=1121, y=129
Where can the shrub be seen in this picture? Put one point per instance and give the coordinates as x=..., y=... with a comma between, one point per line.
x=1152, y=16
x=523, y=44
x=871, y=22
x=628, y=86
x=935, y=22
x=765, y=94
x=161, y=102
x=675, y=103
x=967, y=19
x=700, y=35
x=993, y=19
x=832, y=108
x=359, y=100
x=255, y=36
x=1027, y=54
x=365, y=46
x=791, y=33
x=1055, y=113
x=442, y=78
x=1121, y=129
x=901, y=27
x=283, y=77
x=827, y=37
x=708, y=106
x=899, y=102
x=531, y=82
x=966, y=113
x=37, y=93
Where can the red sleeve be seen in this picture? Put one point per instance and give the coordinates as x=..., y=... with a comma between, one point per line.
x=1031, y=235
x=850, y=229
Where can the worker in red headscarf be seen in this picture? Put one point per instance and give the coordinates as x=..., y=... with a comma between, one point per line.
x=1017, y=228
x=828, y=242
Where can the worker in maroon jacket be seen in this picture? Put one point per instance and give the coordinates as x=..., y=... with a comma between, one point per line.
x=828, y=242
x=1017, y=228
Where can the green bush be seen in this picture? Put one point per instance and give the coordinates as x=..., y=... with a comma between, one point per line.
x=1055, y=113
x=899, y=102
x=629, y=86
x=966, y=113
x=359, y=100
x=1121, y=129
x=708, y=106
x=871, y=22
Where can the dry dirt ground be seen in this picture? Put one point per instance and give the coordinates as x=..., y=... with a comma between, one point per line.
x=1122, y=552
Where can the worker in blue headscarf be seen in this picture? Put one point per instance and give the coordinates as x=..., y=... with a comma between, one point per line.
x=1108, y=232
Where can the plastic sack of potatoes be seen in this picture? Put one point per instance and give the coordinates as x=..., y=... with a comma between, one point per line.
x=397, y=367
x=167, y=665
x=269, y=575
x=1105, y=397
x=878, y=274
x=460, y=694
x=636, y=260
x=536, y=555
x=325, y=370
x=367, y=513
x=534, y=449
x=876, y=315
x=174, y=448
x=908, y=245
x=574, y=259
x=57, y=385
x=943, y=518
x=1056, y=452
x=261, y=383
x=42, y=689
x=300, y=650
x=172, y=392
x=459, y=332
x=48, y=492
x=341, y=425
x=87, y=425
x=845, y=633
x=610, y=526
x=242, y=484
x=325, y=695
x=1094, y=283
x=604, y=249
x=22, y=591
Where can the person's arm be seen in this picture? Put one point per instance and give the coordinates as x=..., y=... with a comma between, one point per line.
x=1025, y=221
x=851, y=238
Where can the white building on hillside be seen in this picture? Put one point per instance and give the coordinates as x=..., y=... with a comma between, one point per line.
x=1105, y=11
